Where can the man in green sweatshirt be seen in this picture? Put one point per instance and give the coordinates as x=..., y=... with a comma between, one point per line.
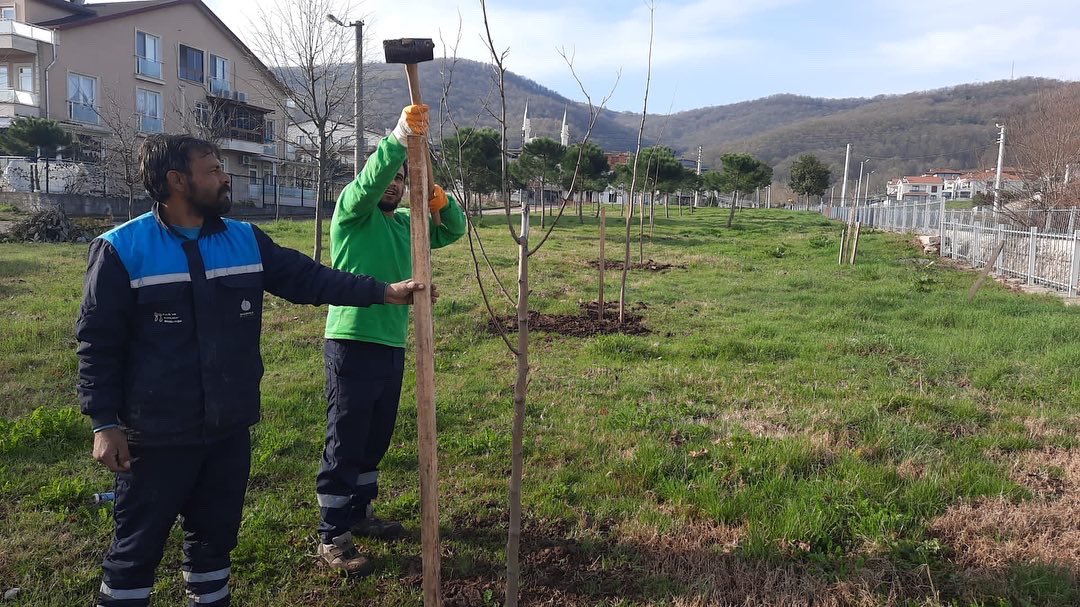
x=365, y=348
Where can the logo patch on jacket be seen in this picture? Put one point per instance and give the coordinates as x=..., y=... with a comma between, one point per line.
x=167, y=318
x=245, y=309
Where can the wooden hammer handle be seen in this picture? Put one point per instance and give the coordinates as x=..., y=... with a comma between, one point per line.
x=412, y=73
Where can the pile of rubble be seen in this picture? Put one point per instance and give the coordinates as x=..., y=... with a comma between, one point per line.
x=46, y=225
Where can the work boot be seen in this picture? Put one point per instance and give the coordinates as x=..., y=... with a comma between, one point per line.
x=376, y=528
x=342, y=554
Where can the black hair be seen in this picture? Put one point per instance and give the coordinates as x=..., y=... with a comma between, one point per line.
x=163, y=153
x=405, y=169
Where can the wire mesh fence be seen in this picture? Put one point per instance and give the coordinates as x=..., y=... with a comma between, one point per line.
x=1040, y=247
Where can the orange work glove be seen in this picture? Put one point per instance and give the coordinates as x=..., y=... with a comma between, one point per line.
x=438, y=200
x=413, y=121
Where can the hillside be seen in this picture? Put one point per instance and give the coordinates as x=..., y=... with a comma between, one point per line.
x=901, y=133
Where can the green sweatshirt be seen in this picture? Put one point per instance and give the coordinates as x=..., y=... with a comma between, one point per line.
x=366, y=241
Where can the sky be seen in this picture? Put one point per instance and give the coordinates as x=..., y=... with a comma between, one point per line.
x=715, y=52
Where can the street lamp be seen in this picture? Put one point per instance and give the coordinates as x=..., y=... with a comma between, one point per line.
x=866, y=188
x=358, y=90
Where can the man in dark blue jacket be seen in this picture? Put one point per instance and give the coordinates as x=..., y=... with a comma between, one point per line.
x=169, y=364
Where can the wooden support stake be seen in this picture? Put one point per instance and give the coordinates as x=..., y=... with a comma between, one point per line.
x=855, y=242
x=424, y=333
x=603, y=262
x=986, y=271
x=843, y=244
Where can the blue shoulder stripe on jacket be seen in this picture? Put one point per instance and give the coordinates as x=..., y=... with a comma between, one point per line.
x=153, y=255
x=231, y=251
x=150, y=254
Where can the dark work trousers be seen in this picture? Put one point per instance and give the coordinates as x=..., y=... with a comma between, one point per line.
x=363, y=386
x=205, y=485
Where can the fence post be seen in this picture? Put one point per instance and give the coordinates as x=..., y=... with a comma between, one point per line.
x=1031, y=255
x=1001, y=258
x=976, y=232
x=1074, y=275
x=1072, y=220
x=941, y=233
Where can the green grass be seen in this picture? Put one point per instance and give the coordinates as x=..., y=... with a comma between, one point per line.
x=778, y=393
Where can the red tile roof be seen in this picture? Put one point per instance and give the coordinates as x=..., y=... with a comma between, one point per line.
x=924, y=179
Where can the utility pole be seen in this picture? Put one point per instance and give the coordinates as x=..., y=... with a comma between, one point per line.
x=997, y=179
x=696, y=192
x=843, y=187
x=858, y=184
x=359, y=153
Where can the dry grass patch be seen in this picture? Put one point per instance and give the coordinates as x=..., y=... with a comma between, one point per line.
x=701, y=558
x=990, y=535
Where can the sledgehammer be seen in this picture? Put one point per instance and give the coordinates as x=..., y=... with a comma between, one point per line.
x=411, y=51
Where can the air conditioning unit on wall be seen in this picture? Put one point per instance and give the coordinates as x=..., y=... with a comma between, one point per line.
x=245, y=160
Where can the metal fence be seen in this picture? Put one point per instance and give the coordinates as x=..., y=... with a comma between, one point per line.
x=1040, y=247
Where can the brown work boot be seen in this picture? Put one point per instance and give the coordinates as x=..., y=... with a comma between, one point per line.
x=342, y=554
x=375, y=527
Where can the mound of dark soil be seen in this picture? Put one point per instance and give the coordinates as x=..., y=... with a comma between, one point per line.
x=652, y=266
x=585, y=324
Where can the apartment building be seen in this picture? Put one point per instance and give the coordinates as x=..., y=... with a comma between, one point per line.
x=155, y=66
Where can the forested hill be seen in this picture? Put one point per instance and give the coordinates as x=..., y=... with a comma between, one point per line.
x=902, y=134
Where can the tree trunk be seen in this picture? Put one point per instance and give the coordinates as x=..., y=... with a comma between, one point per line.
x=513, y=542
x=626, y=262
x=317, y=253
x=734, y=202
x=640, y=229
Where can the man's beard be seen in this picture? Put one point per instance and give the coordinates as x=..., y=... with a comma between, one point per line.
x=388, y=206
x=216, y=206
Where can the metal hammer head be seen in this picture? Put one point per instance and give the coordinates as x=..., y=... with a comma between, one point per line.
x=409, y=50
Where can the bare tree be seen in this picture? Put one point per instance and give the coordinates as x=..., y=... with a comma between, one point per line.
x=1044, y=144
x=121, y=146
x=312, y=58
x=633, y=179
x=521, y=237
x=205, y=117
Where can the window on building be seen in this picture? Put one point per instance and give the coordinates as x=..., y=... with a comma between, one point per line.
x=219, y=75
x=7, y=13
x=202, y=113
x=191, y=64
x=82, y=98
x=148, y=107
x=268, y=136
x=933, y=189
x=4, y=82
x=26, y=78
x=148, y=55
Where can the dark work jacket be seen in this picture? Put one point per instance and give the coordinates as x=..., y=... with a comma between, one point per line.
x=168, y=331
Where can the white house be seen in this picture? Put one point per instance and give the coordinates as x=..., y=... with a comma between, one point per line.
x=923, y=188
x=982, y=182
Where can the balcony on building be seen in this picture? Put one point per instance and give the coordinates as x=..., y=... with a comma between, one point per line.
x=15, y=103
x=148, y=67
x=22, y=39
x=83, y=113
x=245, y=124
